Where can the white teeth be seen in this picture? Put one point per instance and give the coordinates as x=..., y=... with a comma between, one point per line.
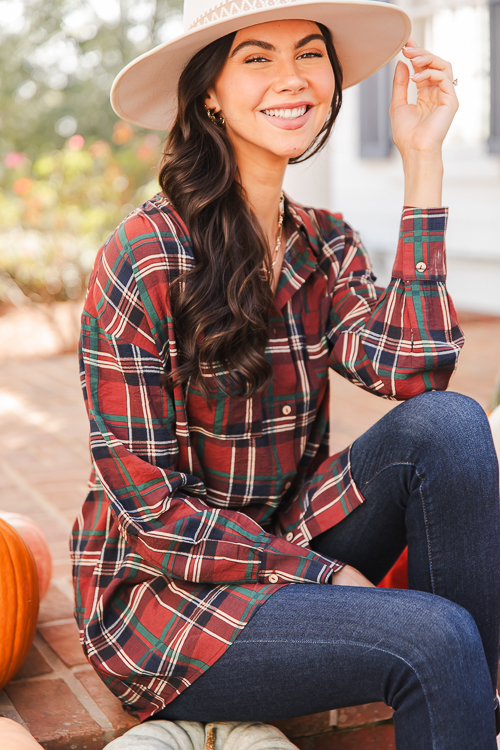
x=286, y=114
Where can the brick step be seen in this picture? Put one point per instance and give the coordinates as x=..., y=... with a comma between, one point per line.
x=56, y=693
x=367, y=727
x=60, y=699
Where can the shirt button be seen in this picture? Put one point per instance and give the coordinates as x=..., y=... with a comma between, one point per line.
x=421, y=267
x=286, y=409
x=289, y=536
x=288, y=485
x=273, y=578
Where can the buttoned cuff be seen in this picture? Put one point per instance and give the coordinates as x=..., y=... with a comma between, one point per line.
x=421, y=251
x=284, y=562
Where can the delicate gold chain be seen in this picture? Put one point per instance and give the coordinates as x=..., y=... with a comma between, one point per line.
x=278, y=238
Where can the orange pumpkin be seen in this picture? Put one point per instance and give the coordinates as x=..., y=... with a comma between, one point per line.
x=19, y=601
x=14, y=736
x=36, y=541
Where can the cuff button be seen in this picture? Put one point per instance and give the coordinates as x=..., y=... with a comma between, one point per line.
x=289, y=536
x=273, y=578
x=421, y=267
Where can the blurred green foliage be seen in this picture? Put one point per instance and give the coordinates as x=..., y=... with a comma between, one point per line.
x=58, y=59
x=69, y=169
x=57, y=211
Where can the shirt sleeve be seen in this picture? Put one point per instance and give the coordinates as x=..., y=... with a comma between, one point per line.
x=140, y=447
x=406, y=339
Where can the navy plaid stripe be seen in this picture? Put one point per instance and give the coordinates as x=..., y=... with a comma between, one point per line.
x=195, y=516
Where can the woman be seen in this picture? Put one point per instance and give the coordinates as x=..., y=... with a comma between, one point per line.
x=216, y=521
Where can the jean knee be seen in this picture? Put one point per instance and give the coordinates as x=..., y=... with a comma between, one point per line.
x=450, y=633
x=446, y=408
x=440, y=418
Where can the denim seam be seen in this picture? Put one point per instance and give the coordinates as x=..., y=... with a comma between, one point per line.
x=360, y=644
x=427, y=531
x=424, y=510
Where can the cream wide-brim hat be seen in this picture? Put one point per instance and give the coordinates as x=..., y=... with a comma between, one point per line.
x=366, y=34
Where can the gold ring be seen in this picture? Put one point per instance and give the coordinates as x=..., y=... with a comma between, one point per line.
x=455, y=82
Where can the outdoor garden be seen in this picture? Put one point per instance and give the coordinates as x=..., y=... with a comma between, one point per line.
x=69, y=169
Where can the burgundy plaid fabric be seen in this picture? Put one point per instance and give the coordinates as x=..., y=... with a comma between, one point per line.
x=196, y=514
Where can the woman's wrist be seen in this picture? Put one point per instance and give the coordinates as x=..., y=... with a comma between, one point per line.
x=349, y=576
x=423, y=179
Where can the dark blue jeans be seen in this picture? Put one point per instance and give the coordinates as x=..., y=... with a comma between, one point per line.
x=429, y=475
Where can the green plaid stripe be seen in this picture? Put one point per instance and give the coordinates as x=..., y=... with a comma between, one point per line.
x=195, y=516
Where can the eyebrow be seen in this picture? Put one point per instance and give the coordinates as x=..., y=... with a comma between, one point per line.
x=271, y=48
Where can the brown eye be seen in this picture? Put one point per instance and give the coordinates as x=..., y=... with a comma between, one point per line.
x=310, y=54
x=256, y=59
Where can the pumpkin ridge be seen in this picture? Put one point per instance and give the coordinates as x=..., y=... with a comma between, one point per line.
x=10, y=603
x=19, y=592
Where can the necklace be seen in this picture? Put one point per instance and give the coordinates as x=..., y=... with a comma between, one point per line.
x=278, y=238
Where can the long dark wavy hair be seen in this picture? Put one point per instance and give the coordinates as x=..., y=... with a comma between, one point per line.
x=221, y=306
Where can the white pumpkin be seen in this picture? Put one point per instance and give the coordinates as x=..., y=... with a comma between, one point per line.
x=248, y=736
x=159, y=734
x=162, y=735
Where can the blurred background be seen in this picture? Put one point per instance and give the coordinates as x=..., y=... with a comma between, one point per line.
x=70, y=170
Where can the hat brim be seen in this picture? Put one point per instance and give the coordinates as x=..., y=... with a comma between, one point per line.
x=366, y=34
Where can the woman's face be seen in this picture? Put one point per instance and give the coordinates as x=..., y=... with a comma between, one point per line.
x=275, y=89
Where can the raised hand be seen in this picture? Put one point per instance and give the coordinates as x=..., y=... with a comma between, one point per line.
x=422, y=127
x=419, y=129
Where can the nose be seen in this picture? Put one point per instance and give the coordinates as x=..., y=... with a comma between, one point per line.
x=289, y=79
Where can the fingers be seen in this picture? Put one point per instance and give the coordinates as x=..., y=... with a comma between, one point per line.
x=400, y=87
x=434, y=77
x=430, y=61
x=422, y=58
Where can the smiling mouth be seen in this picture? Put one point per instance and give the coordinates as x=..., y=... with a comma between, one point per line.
x=287, y=114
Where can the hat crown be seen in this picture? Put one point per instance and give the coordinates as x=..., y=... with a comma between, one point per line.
x=203, y=12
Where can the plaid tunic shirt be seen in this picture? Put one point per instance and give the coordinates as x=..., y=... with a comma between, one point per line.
x=196, y=515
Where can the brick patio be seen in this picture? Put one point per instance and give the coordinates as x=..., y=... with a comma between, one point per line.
x=43, y=473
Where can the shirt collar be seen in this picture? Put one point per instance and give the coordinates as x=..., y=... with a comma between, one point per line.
x=305, y=223
x=302, y=252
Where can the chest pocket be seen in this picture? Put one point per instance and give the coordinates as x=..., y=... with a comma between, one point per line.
x=224, y=417
x=317, y=346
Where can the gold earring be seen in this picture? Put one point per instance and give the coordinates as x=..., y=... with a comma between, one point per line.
x=216, y=117
x=211, y=115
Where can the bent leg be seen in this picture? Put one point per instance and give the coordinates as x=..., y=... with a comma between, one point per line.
x=312, y=648
x=429, y=474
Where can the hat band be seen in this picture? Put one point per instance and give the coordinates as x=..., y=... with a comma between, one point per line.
x=232, y=8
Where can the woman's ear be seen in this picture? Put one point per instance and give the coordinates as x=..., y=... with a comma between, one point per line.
x=211, y=101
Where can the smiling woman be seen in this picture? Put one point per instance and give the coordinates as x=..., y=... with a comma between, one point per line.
x=213, y=314
x=302, y=56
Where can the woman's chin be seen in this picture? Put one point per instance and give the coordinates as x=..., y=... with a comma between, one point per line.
x=293, y=152
x=289, y=148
